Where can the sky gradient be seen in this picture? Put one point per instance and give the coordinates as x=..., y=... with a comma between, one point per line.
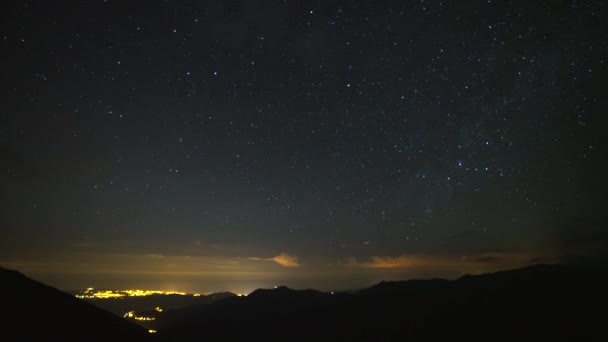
x=232, y=145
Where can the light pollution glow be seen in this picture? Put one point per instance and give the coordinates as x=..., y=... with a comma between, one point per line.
x=206, y=274
x=104, y=294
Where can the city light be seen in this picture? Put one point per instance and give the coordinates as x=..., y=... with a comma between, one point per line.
x=105, y=294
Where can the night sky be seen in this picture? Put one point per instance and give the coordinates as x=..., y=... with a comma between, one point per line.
x=205, y=146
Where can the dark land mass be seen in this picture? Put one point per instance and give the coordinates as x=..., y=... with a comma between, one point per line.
x=32, y=311
x=541, y=303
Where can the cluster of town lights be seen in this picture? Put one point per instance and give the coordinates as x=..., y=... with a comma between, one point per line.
x=105, y=294
x=131, y=314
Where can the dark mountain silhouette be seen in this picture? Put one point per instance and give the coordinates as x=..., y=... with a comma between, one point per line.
x=541, y=302
x=32, y=311
x=283, y=292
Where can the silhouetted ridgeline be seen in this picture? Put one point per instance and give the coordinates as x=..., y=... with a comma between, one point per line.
x=537, y=303
x=540, y=303
x=32, y=311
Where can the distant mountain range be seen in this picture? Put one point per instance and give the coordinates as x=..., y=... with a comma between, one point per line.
x=539, y=303
x=536, y=303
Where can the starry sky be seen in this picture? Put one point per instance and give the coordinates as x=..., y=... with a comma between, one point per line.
x=229, y=145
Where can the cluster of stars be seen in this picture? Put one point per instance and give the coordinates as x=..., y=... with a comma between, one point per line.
x=356, y=123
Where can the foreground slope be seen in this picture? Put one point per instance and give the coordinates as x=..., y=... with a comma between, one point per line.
x=32, y=310
x=535, y=303
x=120, y=306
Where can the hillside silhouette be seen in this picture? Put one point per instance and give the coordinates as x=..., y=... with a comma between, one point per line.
x=539, y=302
x=32, y=311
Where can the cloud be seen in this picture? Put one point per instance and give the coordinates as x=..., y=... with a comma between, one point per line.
x=403, y=261
x=286, y=260
x=494, y=259
x=463, y=263
x=389, y=262
x=282, y=259
x=155, y=256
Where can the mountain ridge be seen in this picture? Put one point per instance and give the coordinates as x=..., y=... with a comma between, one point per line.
x=539, y=302
x=536, y=302
x=34, y=308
